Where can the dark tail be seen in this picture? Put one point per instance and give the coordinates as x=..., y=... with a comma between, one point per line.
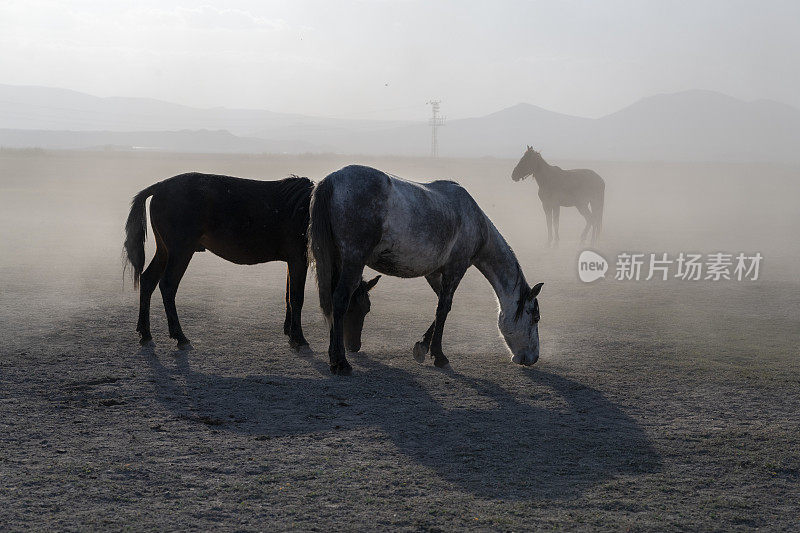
x=322, y=246
x=136, y=232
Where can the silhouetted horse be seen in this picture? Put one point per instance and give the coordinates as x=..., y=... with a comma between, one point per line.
x=244, y=221
x=580, y=188
x=362, y=216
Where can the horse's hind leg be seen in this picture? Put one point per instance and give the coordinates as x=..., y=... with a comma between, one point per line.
x=583, y=209
x=178, y=260
x=347, y=284
x=297, y=286
x=421, y=348
x=147, y=284
x=597, y=225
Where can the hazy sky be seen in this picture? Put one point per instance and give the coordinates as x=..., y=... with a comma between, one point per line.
x=385, y=59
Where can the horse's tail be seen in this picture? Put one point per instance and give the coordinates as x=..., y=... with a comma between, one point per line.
x=597, y=208
x=322, y=245
x=136, y=232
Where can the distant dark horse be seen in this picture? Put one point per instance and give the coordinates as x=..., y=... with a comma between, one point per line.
x=362, y=216
x=580, y=188
x=244, y=221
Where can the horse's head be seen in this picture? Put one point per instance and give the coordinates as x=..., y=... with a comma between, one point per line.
x=527, y=165
x=356, y=312
x=521, y=330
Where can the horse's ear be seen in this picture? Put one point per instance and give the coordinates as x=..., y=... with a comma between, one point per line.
x=535, y=290
x=530, y=147
x=374, y=281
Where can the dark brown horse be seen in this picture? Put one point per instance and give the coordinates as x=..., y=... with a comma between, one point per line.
x=243, y=221
x=558, y=188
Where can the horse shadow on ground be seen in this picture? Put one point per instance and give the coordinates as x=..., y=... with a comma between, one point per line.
x=507, y=448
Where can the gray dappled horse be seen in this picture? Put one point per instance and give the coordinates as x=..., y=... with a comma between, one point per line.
x=580, y=188
x=243, y=221
x=362, y=216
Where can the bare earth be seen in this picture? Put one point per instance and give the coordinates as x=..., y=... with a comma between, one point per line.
x=660, y=404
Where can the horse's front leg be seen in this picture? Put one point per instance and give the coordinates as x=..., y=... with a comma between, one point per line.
x=296, y=280
x=287, y=322
x=450, y=283
x=548, y=215
x=556, y=216
x=421, y=348
x=348, y=282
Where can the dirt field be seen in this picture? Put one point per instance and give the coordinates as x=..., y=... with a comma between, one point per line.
x=660, y=404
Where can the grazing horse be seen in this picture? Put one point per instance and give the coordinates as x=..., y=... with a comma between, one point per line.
x=362, y=216
x=243, y=221
x=580, y=188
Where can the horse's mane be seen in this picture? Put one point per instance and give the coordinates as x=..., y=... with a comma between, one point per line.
x=519, y=284
x=295, y=193
x=523, y=293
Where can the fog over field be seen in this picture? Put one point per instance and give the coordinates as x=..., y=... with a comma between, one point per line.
x=647, y=393
x=656, y=404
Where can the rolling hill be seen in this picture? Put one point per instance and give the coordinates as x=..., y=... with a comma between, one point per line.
x=686, y=126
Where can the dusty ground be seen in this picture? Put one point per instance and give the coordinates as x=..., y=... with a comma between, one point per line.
x=655, y=405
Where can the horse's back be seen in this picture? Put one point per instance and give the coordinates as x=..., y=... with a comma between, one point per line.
x=242, y=220
x=360, y=187
x=195, y=185
x=410, y=228
x=351, y=183
x=583, y=178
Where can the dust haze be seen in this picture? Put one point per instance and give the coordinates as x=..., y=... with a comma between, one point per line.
x=655, y=405
x=646, y=393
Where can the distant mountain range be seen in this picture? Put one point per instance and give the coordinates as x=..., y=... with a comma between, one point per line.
x=687, y=126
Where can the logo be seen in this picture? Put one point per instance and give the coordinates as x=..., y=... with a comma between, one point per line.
x=591, y=266
x=685, y=266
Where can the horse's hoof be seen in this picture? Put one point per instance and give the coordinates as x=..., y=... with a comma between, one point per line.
x=304, y=350
x=342, y=369
x=446, y=367
x=517, y=359
x=185, y=347
x=295, y=344
x=441, y=362
x=420, y=351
